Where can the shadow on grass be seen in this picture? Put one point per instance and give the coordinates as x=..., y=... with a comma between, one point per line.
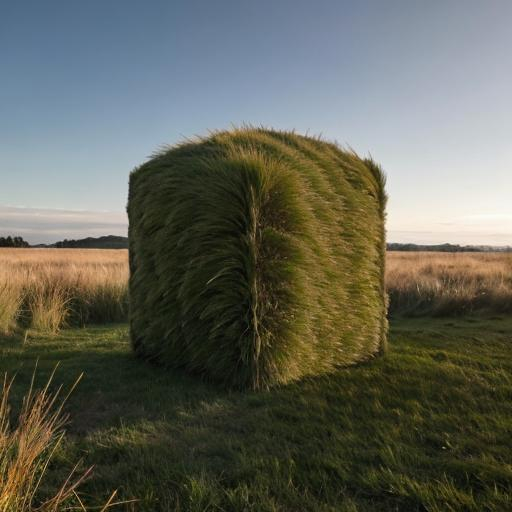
x=423, y=427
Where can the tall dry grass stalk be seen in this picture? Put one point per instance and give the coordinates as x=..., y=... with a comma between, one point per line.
x=11, y=299
x=27, y=448
x=46, y=289
x=449, y=283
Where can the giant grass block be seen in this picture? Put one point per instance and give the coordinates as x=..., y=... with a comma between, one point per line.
x=257, y=257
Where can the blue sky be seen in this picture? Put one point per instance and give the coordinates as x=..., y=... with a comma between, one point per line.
x=89, y=90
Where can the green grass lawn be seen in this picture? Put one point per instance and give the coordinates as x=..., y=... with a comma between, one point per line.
x=428, y=427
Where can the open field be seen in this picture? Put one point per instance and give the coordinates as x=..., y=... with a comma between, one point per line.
x=449, y=283
x=46, y=289
x=426, y=428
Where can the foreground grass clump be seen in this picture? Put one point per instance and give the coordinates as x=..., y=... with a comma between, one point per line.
x=427, y=428
x=257, y=257
x=426, y=283
x=47, y=289
x=27, y=448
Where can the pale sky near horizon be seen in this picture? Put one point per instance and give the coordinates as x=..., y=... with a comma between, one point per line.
x=89, y=90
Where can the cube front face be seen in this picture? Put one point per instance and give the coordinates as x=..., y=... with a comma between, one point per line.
x=256, y=258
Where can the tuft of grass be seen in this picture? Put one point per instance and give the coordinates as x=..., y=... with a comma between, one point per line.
x=11, y=300
x=47, y=306
x=28, y=447
x=257, y=257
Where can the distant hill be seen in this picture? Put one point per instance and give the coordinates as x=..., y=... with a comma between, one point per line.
x=102, y=242
x=447, y=248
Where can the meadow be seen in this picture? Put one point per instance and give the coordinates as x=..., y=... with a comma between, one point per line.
x=447, y=284
x=425, y=428
x=47, y=289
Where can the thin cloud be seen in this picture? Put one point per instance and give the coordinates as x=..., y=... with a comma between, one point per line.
x=44, y=225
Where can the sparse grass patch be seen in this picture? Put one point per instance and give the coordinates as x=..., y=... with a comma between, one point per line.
x=27, y=448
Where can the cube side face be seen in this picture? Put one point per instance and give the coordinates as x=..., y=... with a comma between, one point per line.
x=198, y=249
x=258, y=262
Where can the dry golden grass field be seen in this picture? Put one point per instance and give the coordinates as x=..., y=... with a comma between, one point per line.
x=449, y=283
x=46, y=289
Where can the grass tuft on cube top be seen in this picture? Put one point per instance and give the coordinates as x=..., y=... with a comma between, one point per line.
x=257, y=257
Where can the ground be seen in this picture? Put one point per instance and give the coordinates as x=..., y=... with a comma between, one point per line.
x=427, y=427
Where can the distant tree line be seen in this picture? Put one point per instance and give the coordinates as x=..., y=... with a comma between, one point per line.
x=447, y=248
x=68, y=243
x=12, y=241
x=102, y=242
x=436, y=248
